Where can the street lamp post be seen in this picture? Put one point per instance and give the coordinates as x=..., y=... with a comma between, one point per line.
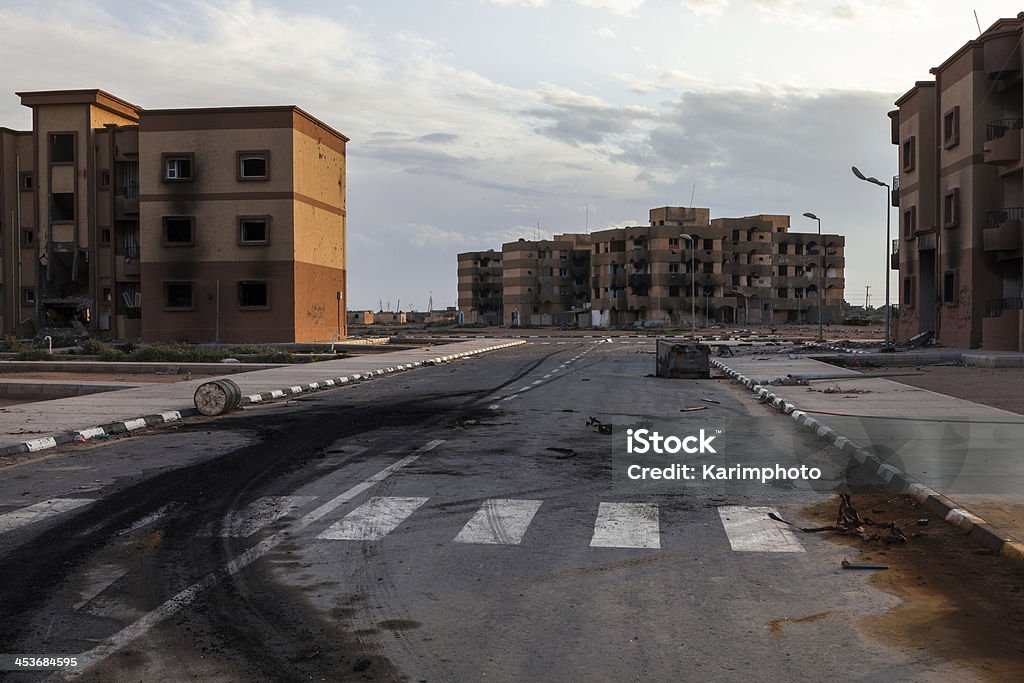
x=888, y=220
x=821, y=275
x=693, y=282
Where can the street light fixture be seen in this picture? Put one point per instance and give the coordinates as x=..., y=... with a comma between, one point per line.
x=693, y=284
x=821, y=274
x=888, y=228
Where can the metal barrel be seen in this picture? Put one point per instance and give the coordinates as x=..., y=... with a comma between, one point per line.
x=217, y=397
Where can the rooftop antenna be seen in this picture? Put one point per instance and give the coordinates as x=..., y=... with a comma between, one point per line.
x=538, y=231
x=977, y=22
x=588, y=219
x=693, y=192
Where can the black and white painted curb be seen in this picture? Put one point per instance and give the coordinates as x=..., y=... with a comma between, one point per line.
x=126, y=426
x=932, y=501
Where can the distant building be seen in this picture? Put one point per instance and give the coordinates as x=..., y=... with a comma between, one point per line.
x=360, y=317
x=172, y=224
x=960, y=193
x=480, y=287
x=683, y=264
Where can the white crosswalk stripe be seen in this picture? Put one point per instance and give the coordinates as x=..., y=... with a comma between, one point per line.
x=34, y=513
x=626, y=525
x=258, y=514
x=373, y=520
x=500, y=521
x=751, y=530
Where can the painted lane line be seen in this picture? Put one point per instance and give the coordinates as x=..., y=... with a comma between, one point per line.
x=538, y=381
x=39, y=511
x=258, y=514
x=493, y=406
x=97, y=580
x=626, y=525
x=373, y=520
x=547, y=376
x=501, y=521
x=170, y=416
x=751, y=530
x=189, y=595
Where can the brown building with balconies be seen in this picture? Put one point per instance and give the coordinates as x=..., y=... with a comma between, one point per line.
x=183, y=224
x=681, y=268
x=480, y=287
x=960, y=193
x=543, y=282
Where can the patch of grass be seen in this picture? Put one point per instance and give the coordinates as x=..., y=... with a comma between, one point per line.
x=11, y=344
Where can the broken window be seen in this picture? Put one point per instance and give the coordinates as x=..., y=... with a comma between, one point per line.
x=27, y=238
x=253, y=166
x=62, y=206
x=253, y=294
x=951, y=209
x=949, y=287
x=62, y=148
x=27, y=181
x=179, y=230
x=253, y=230
x=178, y=295
x=178, y=167
x=28, y=296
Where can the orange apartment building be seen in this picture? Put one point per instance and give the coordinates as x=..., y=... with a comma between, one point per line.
x=222, y=224
x=960, y=193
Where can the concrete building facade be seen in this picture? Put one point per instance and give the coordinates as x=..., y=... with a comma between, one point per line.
x=960, y=193
x=480, y=287
x=177, y=224
x=680, y=268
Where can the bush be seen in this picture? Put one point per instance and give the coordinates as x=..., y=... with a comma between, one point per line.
x=11, y=344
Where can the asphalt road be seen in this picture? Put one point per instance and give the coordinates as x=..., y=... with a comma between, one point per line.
x=455, y=523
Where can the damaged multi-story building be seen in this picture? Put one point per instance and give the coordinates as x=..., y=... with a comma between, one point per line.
x=680, y=269
x=211, y=224
x=960, y=193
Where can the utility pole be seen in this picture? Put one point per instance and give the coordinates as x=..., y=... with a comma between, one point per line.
x=867, y=297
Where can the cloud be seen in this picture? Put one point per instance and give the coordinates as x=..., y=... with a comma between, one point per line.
x=604, y=33
x=705, y=7
x=577, y=119
x=621, y=7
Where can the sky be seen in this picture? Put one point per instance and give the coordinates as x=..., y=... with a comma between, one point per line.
x=476, y=122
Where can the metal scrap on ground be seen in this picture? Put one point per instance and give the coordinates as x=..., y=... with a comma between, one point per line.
x=849, y=522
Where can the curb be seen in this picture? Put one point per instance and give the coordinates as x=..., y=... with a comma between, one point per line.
x=976, y=528
x=145, y=421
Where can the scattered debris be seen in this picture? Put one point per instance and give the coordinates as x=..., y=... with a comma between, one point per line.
x=863, y=565
x=690, y=410
x=465, y=424
x=602, y=427
x=849, y=522
x=711, y=400
x=923, y=521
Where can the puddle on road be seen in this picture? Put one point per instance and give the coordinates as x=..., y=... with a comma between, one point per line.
x=959, y=606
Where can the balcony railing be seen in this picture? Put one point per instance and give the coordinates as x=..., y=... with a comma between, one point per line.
x=995, y=307
x=128, y=191
x=993, y=219
x=997, y=129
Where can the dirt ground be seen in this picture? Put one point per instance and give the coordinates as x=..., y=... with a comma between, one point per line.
x=960, y=603
x=996, y=387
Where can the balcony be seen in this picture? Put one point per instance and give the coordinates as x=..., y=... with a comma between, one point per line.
x=1002, y=141
x=640, y=281
x=126, y=200
x=1003, y=229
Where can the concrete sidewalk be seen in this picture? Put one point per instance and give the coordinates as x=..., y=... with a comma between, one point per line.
x=46, y=424
x=964, y=455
